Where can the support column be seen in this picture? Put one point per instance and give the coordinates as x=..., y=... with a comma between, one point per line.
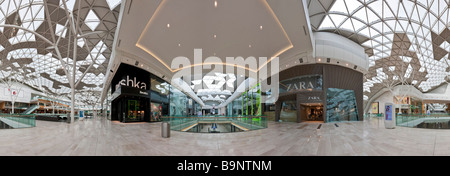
x=278, y=110
x=72, y=106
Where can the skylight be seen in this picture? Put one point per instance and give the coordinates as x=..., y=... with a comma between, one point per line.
x=92, y=21
x=418, y=26
x=113, y=3
x=61, y=30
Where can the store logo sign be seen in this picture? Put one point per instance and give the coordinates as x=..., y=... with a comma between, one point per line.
x=300, y=86
x=308, y=82
x=131, y=83
x=143, y=93
x=313, y=98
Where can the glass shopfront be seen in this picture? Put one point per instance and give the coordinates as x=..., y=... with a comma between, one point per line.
x=341, y=105
x=249, y=103
x=160, y=98
x=318, y=92
x=138, y=96
x=136, y=111
x=289, y=111
x=178, y=102
x=156, y=110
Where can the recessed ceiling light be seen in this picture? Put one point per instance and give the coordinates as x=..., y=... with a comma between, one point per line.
x=179, y=44
x=260, y=27
x=168, y=25
x=215, y=3
x=215, y=36
x=249, y=46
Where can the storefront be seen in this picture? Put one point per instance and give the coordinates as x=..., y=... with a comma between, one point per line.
x=319, y=92
x=138, y=96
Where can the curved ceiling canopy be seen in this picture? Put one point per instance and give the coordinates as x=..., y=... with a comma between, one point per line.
x=37, y=39
x=406, y=41
x=223, y=29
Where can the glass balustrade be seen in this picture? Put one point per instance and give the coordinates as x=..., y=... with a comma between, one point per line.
x=216, y=124
x=423, y=120
x=8, y=121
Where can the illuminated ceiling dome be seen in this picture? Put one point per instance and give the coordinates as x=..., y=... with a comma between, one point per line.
x=37, y=40
x=406, y=41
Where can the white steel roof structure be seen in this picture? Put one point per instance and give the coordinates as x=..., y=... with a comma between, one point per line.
x=407, y=41
x=50, y=43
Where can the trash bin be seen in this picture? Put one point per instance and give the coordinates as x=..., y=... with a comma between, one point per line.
x=165, y=130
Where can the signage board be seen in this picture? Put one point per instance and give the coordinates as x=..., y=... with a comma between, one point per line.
x=130, y=76
x=388, y=112
x=389, y=118
x=375, y=109
x=301, y=83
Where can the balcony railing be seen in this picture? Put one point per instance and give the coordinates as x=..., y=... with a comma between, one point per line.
x=412, y=120
x=241, y=123
x=17, y=121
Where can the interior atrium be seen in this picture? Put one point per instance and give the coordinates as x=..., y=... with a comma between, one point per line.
x=267, y=77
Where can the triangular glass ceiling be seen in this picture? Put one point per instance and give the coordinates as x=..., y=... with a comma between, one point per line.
x=411, y=36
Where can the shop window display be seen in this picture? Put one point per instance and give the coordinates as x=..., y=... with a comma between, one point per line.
x=341, y=105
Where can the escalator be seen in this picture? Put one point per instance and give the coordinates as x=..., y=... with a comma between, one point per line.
x=31, y=109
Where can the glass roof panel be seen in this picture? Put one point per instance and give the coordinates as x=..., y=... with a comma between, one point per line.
x=113, y=3
x=92, y=21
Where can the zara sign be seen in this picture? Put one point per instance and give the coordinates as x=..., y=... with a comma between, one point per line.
x=301, y=83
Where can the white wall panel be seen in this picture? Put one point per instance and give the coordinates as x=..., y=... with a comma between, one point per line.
x=336, y=47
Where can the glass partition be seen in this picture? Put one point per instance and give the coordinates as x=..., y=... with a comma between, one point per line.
x=341, y=105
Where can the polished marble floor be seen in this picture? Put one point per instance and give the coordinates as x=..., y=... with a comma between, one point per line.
x=100, y=137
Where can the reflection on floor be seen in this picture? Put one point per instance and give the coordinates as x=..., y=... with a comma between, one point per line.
x=103, y=137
